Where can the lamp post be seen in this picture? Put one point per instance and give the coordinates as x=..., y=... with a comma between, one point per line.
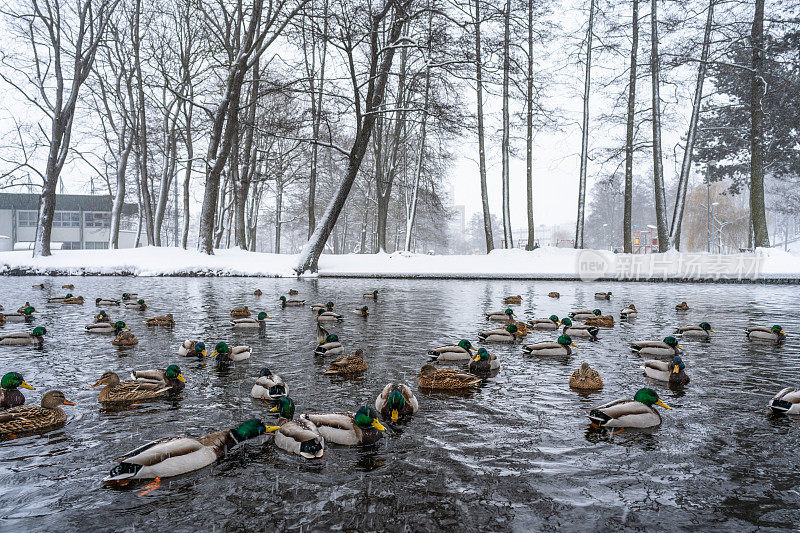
x=710, y=218
x=605, y=234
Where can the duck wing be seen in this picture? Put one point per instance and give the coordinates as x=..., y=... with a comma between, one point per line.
x=156, y=451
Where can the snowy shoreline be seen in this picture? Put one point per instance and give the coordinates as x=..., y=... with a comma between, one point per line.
x=766, y=265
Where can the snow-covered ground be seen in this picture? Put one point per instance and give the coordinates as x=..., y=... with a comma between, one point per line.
x=542, y=263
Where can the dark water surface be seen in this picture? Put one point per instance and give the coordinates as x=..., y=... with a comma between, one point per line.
x=513, y=455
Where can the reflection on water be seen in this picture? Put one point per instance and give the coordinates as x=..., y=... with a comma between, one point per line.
x=512, y=455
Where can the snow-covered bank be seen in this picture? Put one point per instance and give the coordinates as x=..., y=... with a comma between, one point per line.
x=544, y=263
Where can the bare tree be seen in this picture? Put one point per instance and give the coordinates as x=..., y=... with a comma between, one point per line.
x=487, y=219
x=758, y=87
x=658, y=163
x=585, y=131
x=627, y=230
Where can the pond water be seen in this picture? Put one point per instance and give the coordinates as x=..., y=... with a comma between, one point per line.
x=513, y=455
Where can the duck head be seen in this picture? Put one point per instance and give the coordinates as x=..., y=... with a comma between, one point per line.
x=366, y=418
x=200, y=349
x=249, y=429
x=554, y=318
x=465, y=344
x=55, y=398
x=706, y=327
x=285, y=408
x=12, y=380
x=649, y=398
x=174, y=372
x=565, y=340
x=672, y=342
x=38, y=331
x=395, y=402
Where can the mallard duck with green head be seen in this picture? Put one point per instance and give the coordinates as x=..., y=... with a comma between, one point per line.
x=362, y=311
x=603, y=295
x=584, y=314
x=102, y=317
x=508, y=334
x=347, y=364
x=190, y=348
x=329, y=306
x=669, y=347
x=331, y=346
x=38, y=286
x=484, y=363
x=28, y=419
x=501, y=316
x=225, y=353
x=701, y=331
x=22, y=338
x=586, y=378
x=136, y=305
x=550, y=323
x=396, y=401
x=169, y=377
x=107, y=327
x=431, y=377
x=774, y=334
x=172, y=456
x=673, y=373
x=127, y=296
x=360, y=428
x=75, y=300
x=328, y=316
x=579, y=330
x=457, y=352
x=299, y=437
x=10, y=395
x=59, y=299
x=247, y=323
x=105, y=301
x=291, y=303
x=562, y=346
x=269, y=386
x=636, y=413
x=373, y=295
x=26, y=315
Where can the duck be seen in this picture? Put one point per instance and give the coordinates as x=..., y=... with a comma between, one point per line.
x=135, y=389
x=636, y=413
x=191, y=348
x=786, y=402
x=293, y=292
x=673, y=373
x=166, y=321
x=774, y=334
x=10, y=395
x=21, y=308
x=331, y=346
x=501, y=316
x=702, y=331
x=562, y=346
x=26, y=315
x=125, y=338
x=584, y=314
x=257, y=292
x=38, y=286
x=240, y=312
x=299, y=437
x=683, y=306
x=226, y=353
x=126, y=296
x=554, y=294
x=34, y=338
x=107, y=327
x=136, y=305
x=69, y=286
x=28, y=419
x=269, y=386
x=358, y=429
x=513, y=300
x=507, y=334
x=76, y=300
x=668, y=347
x=348, y=364
x=586, y=378
x=362, y=311
x=328, y=316
x=291, y=303
x=101, y=317
x=602, y=321
x=326, y=306
x=374, y=294
x=59, y=299
x=458, y=352
x=628, y=313
x=579, y=330
x=431, y=377
x=396, y=401
x=550, y=323
x=603, y=295
x=172, y=456
x=170, y=376
x=251, y=322
x=484, y=363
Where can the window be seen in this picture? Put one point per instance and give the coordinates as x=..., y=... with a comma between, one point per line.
x=97, y=220
x=71, y=245
x=66, y=219
x=96, y=245
x=27, y=219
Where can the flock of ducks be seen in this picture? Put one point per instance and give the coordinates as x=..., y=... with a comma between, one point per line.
x=308, y=434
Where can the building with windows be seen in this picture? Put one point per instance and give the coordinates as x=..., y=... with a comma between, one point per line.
x=81, y=222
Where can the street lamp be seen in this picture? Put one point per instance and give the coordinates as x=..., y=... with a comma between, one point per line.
x=605, y=233
x=708, y=229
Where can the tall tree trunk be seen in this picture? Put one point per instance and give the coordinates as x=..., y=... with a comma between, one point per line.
x=627, y=228
x=144, y=181
x=119, y=199
x=278, y=213
x=487, y=218
x=248, y=165
x=686, y=166
x=168, y=173
x=529, y=132
x=316, y=109
x=508, y=240
x=658, y=163
x=585, y=131
x=187, y=176
x=758, y=88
